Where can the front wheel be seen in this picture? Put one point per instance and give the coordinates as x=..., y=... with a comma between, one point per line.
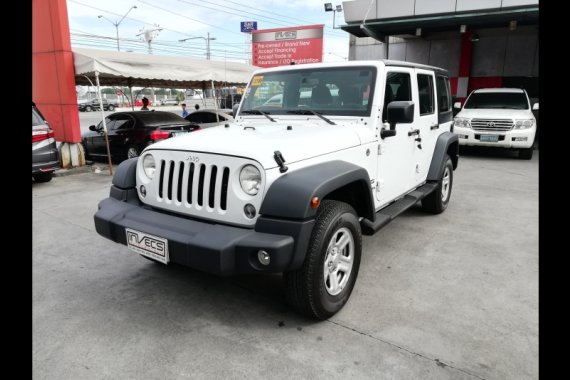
x=88, y=109
x=111, y=108
x=526, y=153
x=438, y=200
x=322, y=286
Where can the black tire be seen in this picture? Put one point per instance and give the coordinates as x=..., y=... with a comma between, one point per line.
x=111, y=108
x=88, y=109
x=132, y=151
x=437, y=201
x=42, y=177
x=526, y=153
x=307, y=288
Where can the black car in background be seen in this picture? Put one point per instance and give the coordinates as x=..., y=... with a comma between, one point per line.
x=130, y=132
x=45, y=157
x=93, y=105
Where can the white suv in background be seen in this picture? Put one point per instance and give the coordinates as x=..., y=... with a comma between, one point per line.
x=500, y=117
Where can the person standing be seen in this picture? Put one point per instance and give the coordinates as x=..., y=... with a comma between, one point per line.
x=184, y=112
x=145, y=104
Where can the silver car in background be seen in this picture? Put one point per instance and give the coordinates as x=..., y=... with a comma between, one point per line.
x=45, y=157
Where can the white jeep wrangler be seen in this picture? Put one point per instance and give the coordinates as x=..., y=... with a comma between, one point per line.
x=291, y=186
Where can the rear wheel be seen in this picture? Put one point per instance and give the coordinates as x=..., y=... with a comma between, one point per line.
x=322, y=286
x=88, y=109
x=437, y=201
x=43, y=177
x=111, y=108
x=133, y=151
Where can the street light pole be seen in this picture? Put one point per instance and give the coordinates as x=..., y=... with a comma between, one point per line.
x=329, y=8
x=117, y=23
x=208, y=39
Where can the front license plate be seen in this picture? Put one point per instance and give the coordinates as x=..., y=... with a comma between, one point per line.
x=148, y=245
x=489, y=138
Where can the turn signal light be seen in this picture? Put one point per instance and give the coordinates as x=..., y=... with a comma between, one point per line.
x=315, y=202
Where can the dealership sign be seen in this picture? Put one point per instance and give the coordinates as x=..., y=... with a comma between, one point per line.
x=285, y=46
x=248, y=26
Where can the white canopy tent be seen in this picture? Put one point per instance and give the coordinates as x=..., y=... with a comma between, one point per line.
x=146, y=70
x=133, y=69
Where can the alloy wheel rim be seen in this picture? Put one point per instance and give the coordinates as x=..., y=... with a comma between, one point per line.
x=445, y=184
x=339, y=261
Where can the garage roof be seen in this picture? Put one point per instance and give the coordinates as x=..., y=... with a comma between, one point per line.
x=379, y=29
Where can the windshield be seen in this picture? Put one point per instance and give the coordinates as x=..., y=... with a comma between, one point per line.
x=331, y=91
x=500, y=100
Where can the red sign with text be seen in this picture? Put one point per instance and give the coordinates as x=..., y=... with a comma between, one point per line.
x=280, y=47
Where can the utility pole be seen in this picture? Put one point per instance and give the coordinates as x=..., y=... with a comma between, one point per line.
x=117, y=23
x=207, y=39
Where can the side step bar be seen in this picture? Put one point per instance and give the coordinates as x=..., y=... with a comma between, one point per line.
x=385, y=215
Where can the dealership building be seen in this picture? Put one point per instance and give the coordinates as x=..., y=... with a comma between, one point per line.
x=482, y=43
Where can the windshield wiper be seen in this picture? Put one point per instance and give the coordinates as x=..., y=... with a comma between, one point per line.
x=306, y=109
x=259, y=112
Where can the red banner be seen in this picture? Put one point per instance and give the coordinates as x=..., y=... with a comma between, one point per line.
x=280, y=47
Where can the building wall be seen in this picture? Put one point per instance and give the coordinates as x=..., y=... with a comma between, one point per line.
x=499, y=53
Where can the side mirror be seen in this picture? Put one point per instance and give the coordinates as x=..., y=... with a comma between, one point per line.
x=457, y=105
x=93, y=128
x=535, y=107
x=400, y=112
x=235, y=109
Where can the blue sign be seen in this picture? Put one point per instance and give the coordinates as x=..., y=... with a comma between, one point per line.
x=248, y=26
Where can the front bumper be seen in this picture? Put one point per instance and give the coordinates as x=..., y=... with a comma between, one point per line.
x=209, y=247
x=517, y=138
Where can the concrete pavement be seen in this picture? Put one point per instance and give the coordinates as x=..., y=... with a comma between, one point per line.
x=453, y=296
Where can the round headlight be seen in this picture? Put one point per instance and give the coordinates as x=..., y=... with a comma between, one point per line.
x=149, y=166
x=250, y=179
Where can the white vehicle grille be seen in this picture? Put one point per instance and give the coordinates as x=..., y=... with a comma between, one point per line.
x=193, y=184
x=495, y=125
x=199, y=184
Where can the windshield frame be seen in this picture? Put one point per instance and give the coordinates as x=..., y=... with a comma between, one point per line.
x=325, y=111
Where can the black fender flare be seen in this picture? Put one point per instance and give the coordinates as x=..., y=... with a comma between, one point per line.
x=289, y=197
x=447, y=144
x=126, y=175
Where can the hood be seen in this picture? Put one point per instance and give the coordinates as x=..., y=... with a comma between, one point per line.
x=487, y=113
x=299, y=143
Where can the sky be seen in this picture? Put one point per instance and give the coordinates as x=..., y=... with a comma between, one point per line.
x=180, y=19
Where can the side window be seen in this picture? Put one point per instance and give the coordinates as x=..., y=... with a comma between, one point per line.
x=195, y=117
x=36, y=119
x=398, y=88
x=443, y=95
x=108, y=122
x=122, y=124
x=425, y=90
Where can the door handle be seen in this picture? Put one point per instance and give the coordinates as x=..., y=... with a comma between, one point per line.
x=414, y=132
x=435, y=126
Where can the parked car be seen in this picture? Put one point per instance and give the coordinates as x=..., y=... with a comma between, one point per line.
x=45, y=157
x=498, y=117
x=207, y=118
x=130, y=132
x=93, y=105
x=168, y=102
x=293, y=189
x=138, y=102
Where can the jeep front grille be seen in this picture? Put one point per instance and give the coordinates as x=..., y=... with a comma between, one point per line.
x=495, y=125
x=193, y=184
